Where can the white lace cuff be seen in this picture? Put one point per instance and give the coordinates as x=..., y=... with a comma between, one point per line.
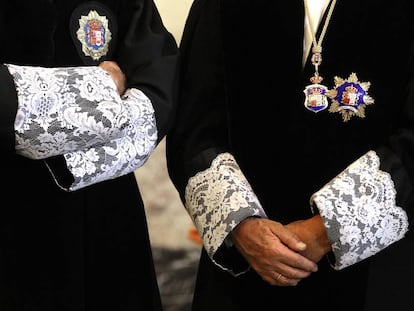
x=359, y=211
x=70, y=109
x=120, y=156
x=219, y=198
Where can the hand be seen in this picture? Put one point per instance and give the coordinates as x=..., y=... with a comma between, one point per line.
x=272, y=251
x=116, y=74
x=312, y=231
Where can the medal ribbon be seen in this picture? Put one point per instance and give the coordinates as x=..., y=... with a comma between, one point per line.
x=317, y=44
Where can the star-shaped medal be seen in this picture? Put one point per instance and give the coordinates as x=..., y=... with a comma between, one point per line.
x=350, y=97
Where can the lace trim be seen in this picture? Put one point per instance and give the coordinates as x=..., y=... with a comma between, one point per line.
x=66, y=109
x=217, y=199
x=359, y=211
x=120, y=156
x=77, y=112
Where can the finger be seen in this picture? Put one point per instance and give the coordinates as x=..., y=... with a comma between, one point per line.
x=295, y=260
x=290, y=239
x=109, y=65
x=290, y=248
x=291, y=275
x=278, y=279
x=299, y=261
x=278, y=256
x=116, y=74
x=283, y=280
x=292, y=272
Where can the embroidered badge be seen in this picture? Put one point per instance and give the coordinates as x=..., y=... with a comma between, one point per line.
x=315, y=97
x=94, y=35
x=350, y=97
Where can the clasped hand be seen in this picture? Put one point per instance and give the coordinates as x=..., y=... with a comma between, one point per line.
x=282, y=254
x=116, y=74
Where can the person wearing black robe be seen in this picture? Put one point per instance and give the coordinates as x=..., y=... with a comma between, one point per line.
x=73, y=230
x=271, y=148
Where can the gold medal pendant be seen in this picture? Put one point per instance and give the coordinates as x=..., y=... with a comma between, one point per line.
x=350, y=97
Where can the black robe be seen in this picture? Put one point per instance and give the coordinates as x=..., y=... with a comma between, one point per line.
x=88, y=249
x=242, y=83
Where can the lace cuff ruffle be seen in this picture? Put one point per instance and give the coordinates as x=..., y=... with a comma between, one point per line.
x=359, y=211
x=62, y=110
x=217, y=199
x=121, y=156
x=76, y=112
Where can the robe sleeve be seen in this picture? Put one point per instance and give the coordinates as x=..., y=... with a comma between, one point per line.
x=148, y=55
x=215, y=192
x=8, y=110
x=218, y=196
x=74, y=119
x=369, y=206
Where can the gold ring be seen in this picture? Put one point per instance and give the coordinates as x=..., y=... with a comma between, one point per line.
x=279, y=276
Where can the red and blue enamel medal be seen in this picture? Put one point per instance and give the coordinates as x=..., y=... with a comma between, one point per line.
x=315, y=95
x=94, y=35
x=350, y=97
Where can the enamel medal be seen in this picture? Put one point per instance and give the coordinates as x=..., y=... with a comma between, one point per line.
x=94, y=32
x=350, y=97
x=315, y=95
x=94, y=35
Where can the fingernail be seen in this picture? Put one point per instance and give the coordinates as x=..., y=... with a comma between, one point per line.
x=301, y=245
